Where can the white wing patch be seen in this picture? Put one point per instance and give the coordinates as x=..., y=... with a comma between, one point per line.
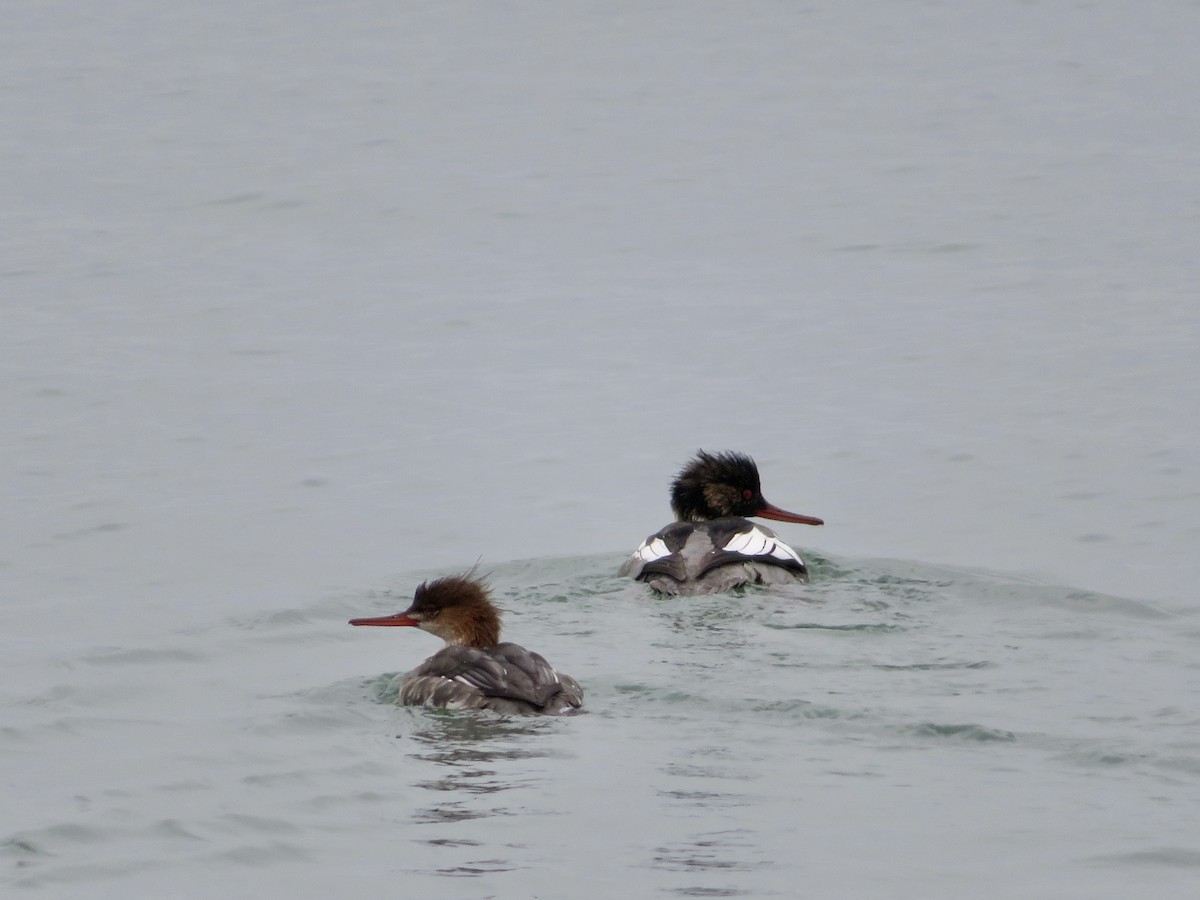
x=649, y=551
x=756, y=542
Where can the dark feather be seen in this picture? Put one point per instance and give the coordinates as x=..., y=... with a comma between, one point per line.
x=473, y=676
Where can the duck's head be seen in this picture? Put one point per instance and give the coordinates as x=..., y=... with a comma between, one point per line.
x=713, y=485
x=456, y=608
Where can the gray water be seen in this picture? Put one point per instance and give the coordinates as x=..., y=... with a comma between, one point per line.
x=304, y=304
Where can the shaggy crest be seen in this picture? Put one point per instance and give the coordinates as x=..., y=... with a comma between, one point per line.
x=458, y=609
x=713, y=485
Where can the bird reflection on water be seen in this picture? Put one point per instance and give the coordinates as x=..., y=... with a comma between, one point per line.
x=475, y=755
x=475, y=764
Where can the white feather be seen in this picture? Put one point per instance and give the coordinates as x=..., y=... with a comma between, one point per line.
x=783, y=551
x=756, y=542
x=759, y=543
x=652, y=550
x=738, y=543
x=750, y=543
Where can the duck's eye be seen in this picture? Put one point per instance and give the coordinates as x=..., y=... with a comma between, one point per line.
x=747, y=494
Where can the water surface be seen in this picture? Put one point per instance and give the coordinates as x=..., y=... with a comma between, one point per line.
x=302, y=305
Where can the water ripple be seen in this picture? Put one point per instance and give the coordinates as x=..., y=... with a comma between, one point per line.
x=965, y=732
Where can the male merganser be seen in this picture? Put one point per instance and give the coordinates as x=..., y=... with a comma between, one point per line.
x=475, y=670
x=712, y=548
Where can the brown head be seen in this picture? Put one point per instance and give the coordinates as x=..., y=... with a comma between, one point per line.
x=455, y=608
x=713, y=485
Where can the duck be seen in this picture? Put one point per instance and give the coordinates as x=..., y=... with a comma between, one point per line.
x=475, y=670
x=712, y=546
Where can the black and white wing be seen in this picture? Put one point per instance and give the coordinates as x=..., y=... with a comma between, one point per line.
x=749, y=542
x=682, y=557
x=653, y=550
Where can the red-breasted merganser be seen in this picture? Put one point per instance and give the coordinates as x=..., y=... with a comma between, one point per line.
x=475, y=670
x=712, y=547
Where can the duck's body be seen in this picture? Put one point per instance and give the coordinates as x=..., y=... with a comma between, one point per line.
x=690, y=558
x=505, y=678
x=475, y=670
x=713, y=547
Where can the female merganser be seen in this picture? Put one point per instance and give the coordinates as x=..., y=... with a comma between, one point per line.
x=712, y=548
x=475, y=670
